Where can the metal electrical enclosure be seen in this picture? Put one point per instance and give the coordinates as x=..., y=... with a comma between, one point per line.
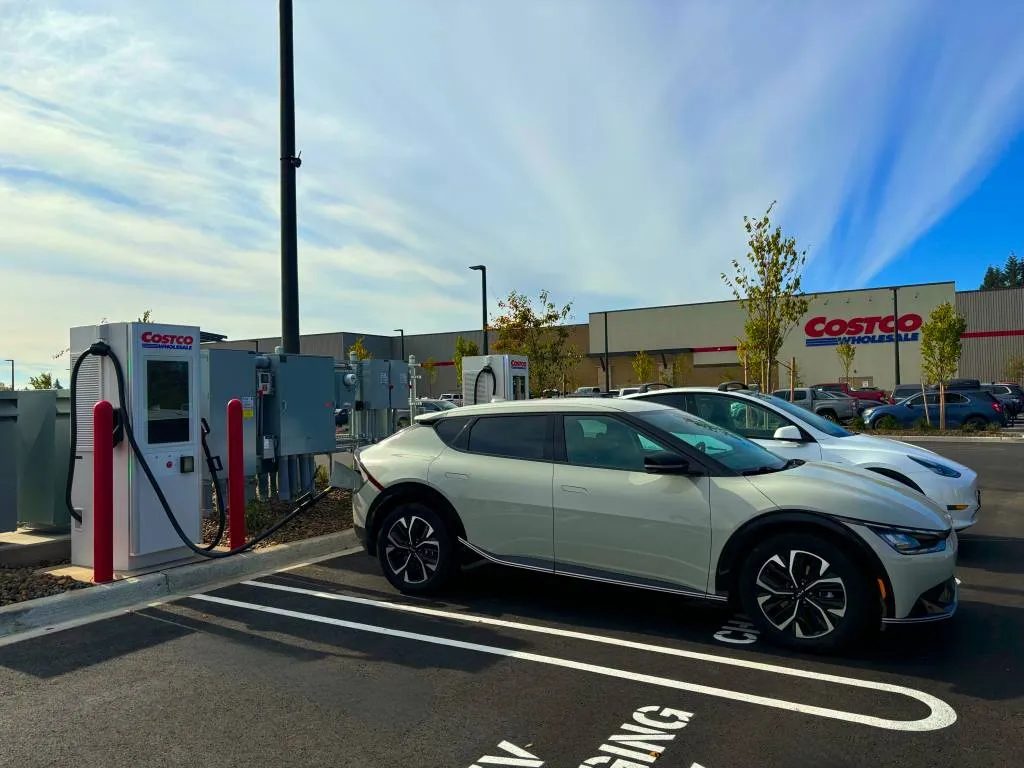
x=228, y=374
x=8, y=461
x=492, y=378
x=385, y=384
x=300, y=413
x=161, y=369
x=44, y=426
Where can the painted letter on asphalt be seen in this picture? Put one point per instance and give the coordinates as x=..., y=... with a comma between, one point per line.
x=519, y=757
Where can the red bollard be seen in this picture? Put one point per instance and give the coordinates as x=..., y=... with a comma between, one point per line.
x=103, y=492
x=236, y=476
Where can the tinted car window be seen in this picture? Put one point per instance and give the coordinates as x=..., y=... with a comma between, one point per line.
x=606, y=442
x=514, y=437
x=671, y=399
x=449, y=429
x=740, y=416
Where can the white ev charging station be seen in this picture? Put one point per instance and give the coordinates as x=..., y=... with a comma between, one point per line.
x=162, y=381
x=493, y=378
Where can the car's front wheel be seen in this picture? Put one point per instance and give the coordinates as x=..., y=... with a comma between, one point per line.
x=416, y=550
x=804, y=591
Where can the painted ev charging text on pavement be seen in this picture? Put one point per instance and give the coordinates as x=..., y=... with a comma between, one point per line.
x=513, y=755
x=737, y=631
x=640, y=742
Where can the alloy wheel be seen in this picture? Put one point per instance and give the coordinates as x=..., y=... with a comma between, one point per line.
x=412, y=550
x=802, y=596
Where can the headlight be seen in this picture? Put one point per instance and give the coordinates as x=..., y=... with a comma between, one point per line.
x=934, y=466
x=912, y=542
x=868, y=411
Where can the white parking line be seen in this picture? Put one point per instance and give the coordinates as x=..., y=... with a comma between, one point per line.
x=941, y=714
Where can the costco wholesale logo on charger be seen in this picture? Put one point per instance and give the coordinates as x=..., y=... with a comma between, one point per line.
x=152, y=340
x=877, y=329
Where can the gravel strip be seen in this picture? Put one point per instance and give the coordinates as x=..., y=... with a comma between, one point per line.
x=331, y=514
x=19, y=584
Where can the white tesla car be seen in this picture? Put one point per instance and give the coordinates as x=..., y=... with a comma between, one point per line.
x=795, y=433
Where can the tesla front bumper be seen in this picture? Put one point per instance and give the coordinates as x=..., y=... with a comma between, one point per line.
x=959, y=497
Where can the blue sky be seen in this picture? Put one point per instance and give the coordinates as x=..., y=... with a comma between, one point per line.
x=605, y=151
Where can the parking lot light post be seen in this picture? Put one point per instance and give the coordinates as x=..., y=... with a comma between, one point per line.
x=483, y=296
x=12, y=373
x=402, y=331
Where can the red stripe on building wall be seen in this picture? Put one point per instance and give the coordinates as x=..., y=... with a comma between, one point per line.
x=992, y=334
x=713, y=349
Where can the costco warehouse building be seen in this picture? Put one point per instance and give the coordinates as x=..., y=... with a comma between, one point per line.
x=703, y=338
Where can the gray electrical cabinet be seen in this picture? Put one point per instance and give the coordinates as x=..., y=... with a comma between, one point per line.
x=44, y=430
x=8, y=461
x=300, y=413
x=385, y=384
x=228, y=374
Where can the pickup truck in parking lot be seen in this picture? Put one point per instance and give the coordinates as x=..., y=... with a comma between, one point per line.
x=833, y=407
x=869, y=394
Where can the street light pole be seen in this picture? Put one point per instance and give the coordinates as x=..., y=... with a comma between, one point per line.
x=896, y=335
x=402, y=331
x=12, y=373
x=483, y=291
x=289, y=162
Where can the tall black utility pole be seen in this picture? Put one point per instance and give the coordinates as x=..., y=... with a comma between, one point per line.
x=607, y=365
x=289, y=162
x=896, y=335
x=483, y=299
x=402, y=331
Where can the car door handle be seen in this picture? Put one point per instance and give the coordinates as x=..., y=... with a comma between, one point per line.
x=574, y=489
x=456, y=476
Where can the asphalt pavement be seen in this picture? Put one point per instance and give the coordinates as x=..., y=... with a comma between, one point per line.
x=327, y=665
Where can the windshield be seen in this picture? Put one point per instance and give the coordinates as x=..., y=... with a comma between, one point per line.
x=446, y=405
x=797, y=413
x=735, y=452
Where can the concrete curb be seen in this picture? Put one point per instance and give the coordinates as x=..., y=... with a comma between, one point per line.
x=957, y=439
x=47, y=612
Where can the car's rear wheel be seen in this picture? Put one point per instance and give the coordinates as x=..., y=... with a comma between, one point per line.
x=416, y=550
x=830, y=415
x=805, y=591
x=976, y=422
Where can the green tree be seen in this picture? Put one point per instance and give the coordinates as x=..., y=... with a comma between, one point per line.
x=567, y=376
x=362, y=353
x=430, y=366
x=43, y=381
x=679, y=371
x=538, y=332
x=940, y=350
x=769, y=290
x=1015, y=368
x=846, y=352
x=643, y=367
x=463, y=348
x=1010, y=275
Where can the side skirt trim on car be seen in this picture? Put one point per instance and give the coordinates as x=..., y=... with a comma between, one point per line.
x=617, y=580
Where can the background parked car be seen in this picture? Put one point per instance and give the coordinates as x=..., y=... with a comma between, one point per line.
x=1011, y=396
x=871, y=394
x=825, y=404
x=903, y=391
x=423, y=405
x=970, y=406
x=795, y=433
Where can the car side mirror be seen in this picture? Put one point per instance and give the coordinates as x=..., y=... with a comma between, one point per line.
x=667, y=463
x=788, y=432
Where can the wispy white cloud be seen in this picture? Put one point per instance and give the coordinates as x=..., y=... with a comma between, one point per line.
x=607, y=151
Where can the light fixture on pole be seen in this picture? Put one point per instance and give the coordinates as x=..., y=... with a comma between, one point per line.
x=483, y=291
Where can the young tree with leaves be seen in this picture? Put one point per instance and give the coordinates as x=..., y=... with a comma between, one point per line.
x=430, y=367
x=679, y=371
x=941, y=345
x=846, y=352
x=43, y=381
x=1015, y=369
x=362, y=353
x=538, y=332
x=463, y=348
x=643, y=367
x=768, y=288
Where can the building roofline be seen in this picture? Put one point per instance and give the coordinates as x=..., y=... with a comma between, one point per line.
x=808, y=294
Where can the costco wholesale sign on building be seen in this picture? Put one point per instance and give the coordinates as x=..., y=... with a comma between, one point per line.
x=883, y=324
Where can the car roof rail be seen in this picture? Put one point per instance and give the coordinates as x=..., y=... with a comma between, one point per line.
x=730, y=386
